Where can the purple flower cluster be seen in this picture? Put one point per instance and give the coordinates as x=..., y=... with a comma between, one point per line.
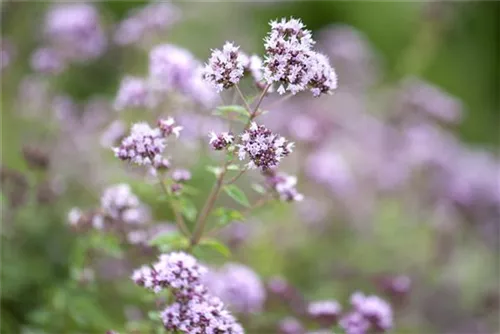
x=145, y=145
x=225, y=67
x=134, y=92
x=148, y=21
x=194, y=309
x=368, y=313
x=264, y=148
x=284, y=185
x=177, y=271
x=220, y=141
x=253, y=66
x=169, y=127
x=291, y=61
x=75, y=31
x=238, y=286
x=120, y=203
x=171, y=68
x=204, y=315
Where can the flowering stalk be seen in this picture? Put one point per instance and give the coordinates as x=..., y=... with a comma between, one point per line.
x=212, y=197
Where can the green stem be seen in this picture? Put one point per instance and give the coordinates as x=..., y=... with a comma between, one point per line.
x=207, y=208
x=237, y=176
x=178, y=216
x=240, y=93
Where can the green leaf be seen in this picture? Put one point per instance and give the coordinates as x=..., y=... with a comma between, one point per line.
x=169, y=241
x=236, y=109
x=217, y=246
x=188, y=209
x=233, y=112
x=237, y=194
x=226, y=216
x=259, y=188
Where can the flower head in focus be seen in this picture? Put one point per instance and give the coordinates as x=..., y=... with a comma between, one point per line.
x=264, y=148
x=144, y=145
x=220, y=141
x=204, y=315
x=194, y=309
x=225, y=67
x=168, y=127
x=323, y=77
x=291, y=62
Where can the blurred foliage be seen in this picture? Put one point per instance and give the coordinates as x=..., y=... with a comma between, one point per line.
x=452, y=44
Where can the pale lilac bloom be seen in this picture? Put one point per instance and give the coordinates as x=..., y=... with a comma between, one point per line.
x=134, y=92
x=290, y=325
x=325, y=312
x=171, y=68
x=355, y=323
x=120, y=203
x=354, y=57
x=428, y=100
x=152, y=19
x=116, y=130
x=181, y=175
x=47, y=60
x=376, y=310
x=285, y=186
x=238, y=286
x=75, y=30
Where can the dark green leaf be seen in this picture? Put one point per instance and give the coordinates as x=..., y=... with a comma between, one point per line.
x=237, y=194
